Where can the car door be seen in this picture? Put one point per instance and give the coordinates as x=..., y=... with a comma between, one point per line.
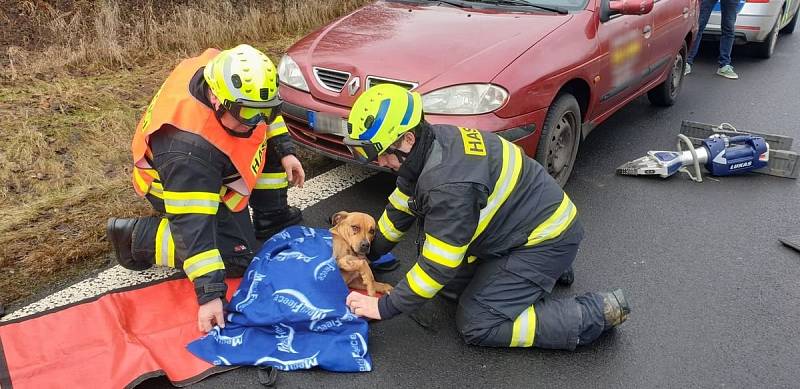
x=624, y=44
x=670, y=25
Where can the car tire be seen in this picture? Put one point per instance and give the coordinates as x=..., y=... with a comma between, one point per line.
x=666, y=93
x=789, y=28
x=561, y=134
x=766, y=48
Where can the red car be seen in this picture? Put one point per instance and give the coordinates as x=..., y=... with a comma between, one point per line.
x=542, y=73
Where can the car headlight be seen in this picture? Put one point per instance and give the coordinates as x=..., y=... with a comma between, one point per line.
x=465, y=99
x=289, y=73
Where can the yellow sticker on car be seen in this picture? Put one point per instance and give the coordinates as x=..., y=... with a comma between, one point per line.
x=473, y=141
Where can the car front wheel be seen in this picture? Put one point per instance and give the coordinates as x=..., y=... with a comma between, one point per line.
x=558, y=144
x=666, y=93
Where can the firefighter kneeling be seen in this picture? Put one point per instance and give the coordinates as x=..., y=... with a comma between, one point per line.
x=210, y=143
x=499, y=231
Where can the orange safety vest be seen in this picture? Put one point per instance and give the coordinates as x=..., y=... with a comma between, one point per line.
x=174, y=105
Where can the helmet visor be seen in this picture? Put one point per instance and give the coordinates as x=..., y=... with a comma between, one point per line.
x=363, y=151
x=251, y=116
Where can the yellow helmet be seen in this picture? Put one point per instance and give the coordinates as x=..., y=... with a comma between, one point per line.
x=378, y=118
x=246, y=83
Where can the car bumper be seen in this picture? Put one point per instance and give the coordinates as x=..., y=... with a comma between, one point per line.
x=753, y=23
x=522, y=129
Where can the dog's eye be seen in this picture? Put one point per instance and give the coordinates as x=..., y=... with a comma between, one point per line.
x=356, y=229
x=372, y=231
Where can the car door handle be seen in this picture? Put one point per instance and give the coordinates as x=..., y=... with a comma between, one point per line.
x=647, y=30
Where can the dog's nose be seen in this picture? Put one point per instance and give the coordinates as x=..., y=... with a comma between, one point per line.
x=365, y=246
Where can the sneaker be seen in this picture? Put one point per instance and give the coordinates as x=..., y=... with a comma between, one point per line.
x=727, y=72
x=687, y=69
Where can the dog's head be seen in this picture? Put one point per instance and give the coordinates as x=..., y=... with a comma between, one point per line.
x=357, y=228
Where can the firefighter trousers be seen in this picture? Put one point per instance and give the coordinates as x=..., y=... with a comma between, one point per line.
x=235, y=240
x=503, y=303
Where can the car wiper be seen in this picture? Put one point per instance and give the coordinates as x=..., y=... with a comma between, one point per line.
x=523, y=3
x=438, y=2
x=453, y=3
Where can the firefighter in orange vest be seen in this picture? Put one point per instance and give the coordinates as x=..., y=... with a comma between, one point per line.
x=210, y=143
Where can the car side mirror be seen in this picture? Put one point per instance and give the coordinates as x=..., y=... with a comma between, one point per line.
x=631, y=7
x=624, y=7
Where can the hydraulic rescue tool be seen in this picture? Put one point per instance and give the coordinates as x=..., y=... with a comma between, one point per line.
x=721, y=155
x=723, y=151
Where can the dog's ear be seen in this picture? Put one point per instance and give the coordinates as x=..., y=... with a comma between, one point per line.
x=337, y=217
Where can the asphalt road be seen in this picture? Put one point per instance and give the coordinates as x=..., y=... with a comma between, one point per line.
x=714, y=294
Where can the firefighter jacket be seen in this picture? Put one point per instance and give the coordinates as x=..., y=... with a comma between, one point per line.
x=478, y=197
x=200, y=166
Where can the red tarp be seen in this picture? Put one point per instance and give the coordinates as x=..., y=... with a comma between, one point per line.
x=116, y=340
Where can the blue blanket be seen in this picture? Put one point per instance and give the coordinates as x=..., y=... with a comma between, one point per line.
x=289, y=311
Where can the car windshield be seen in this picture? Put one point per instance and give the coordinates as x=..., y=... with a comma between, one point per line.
x=557, y=6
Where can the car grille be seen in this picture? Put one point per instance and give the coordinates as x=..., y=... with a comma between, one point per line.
x=333, y=80
x=372, y=81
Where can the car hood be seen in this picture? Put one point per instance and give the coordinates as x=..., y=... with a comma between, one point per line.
x=426, y=45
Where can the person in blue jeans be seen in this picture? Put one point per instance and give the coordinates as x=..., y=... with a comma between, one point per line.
x=728, y=10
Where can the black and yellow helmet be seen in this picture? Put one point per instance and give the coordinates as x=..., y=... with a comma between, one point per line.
x=246, y=83
x=379, y=117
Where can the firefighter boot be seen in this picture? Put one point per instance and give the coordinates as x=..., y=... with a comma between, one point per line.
x=120, y=233
x=615, y=308
x=567, y=278
x=268, y=223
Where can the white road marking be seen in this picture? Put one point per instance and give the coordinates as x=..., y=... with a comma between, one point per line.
x=315, y=190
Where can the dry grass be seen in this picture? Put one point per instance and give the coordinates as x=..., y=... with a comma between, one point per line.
x=70, y=100
x=112, y=34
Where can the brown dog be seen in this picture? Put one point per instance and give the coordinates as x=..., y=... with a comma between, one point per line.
x=352, y=235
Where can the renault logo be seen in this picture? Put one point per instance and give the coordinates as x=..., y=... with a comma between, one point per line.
x=353, y=85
